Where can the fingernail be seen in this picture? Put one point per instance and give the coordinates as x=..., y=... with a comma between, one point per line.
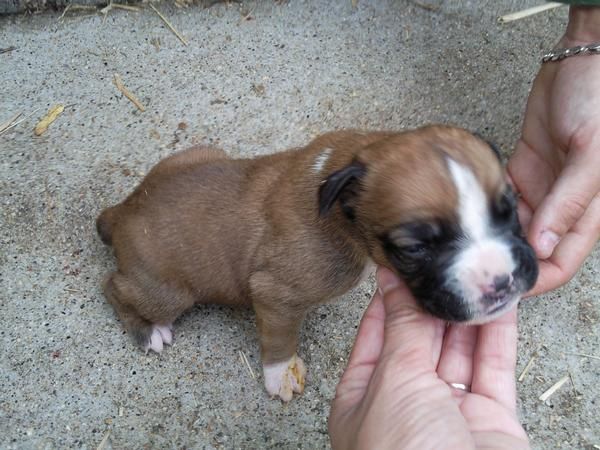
x=546, y=244
x=386, y=280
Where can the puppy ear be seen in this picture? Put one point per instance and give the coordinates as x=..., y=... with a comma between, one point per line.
x=492, y=145
x=342, y=185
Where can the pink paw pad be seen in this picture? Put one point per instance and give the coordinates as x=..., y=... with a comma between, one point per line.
x=161, y=335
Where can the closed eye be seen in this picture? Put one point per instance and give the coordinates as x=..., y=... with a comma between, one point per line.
x=504, y=207
x=414, y=250
x=414, y=241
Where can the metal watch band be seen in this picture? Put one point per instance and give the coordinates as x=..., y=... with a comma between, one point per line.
x=562, y=53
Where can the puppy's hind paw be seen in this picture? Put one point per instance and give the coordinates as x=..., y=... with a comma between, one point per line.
x=161, y=334
x=284, y=378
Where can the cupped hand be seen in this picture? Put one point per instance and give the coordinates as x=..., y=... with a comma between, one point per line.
x=395, y=392
x=556, y=165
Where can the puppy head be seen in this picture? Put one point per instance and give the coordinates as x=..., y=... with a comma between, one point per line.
x=433, y=205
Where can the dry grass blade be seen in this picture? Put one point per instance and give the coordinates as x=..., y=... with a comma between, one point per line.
x=171, y=27
x=119, y=84
x=73, y=7
x=104, y=440
x=526, y=369
x=125, y=7
x=9, y=122
x=108, y=8
x=246, y=15
x=73, y=291
x=65, y=11
x=7, y=49
x=47, y=120
x=112, y=5
x=245, y=361
x=584, y=355
x=555, y=387
x=529, y=12
x=14, y=124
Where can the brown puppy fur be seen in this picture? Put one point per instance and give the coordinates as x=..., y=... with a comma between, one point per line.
x=203, y=228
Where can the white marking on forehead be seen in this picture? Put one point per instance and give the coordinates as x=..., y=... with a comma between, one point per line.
x=472, y=202
x=321, y=159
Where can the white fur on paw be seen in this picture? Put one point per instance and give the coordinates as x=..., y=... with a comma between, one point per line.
x=161, y=334
x=284, y=378
x=165, y=333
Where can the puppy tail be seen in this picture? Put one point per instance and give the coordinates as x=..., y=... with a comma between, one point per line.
x=105, y=224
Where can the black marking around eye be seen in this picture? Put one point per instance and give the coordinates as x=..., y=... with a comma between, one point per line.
x=504, y=206
x=416, y=248
x=425, y=273
x=432, y=232
x=503, y=211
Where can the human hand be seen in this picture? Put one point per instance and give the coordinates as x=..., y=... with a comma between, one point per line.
x=395, y=393
x=556, y=164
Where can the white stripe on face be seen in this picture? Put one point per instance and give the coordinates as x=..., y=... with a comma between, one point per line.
x=483, y=256
x=472, y=202
x=321, y=159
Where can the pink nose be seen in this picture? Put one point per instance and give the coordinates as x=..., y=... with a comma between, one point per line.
x=500, y=283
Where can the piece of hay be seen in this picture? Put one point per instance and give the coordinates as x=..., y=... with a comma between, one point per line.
x=171, y=27
x=119, y=84
x=555, y=387
x=9, y=122
x=529, y=12
x=526, y=369
x=75, y=7
x=14, y=124
x=50, y=117
x=246, y=15
x=104, y=440
x=245, y=361
x=112, y=6
x=584, y=355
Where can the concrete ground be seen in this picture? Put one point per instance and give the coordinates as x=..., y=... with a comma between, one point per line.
x=255, y=78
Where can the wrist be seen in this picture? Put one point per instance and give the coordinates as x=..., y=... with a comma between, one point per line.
x=584, y=25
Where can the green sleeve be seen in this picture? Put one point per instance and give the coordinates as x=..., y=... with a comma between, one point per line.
x=581, y=2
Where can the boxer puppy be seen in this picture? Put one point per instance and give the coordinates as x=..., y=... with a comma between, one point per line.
x=289, y=231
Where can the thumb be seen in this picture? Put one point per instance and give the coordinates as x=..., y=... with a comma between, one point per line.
x=566, y=202
x=410, y=334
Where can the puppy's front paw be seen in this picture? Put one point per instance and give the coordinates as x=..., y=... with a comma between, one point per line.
x=284, y=378
x=161, y=334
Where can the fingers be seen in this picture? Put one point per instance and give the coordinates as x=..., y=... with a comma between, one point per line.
x=456, y=362
x=531, y=173
x=411, y=336
x=567, y=201
x=525, y=214
x=495, y=359
x=364, y=355
x=369, y=338
x=571, y=252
